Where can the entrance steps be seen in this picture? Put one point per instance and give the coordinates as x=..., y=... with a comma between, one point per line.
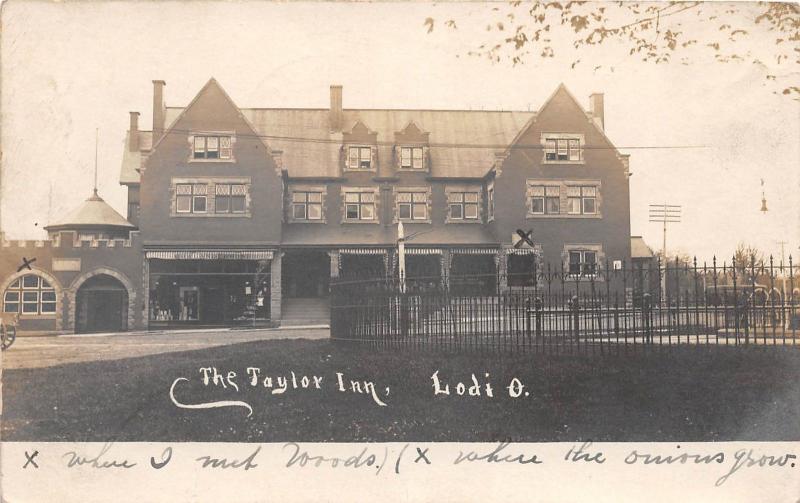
x=305, y=311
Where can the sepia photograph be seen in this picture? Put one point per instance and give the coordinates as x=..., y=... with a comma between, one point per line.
x=283, y=225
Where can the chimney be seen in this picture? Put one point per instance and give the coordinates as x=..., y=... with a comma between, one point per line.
x=336, y=115
x=596, y=107
x=159, y=110
x=133, y=133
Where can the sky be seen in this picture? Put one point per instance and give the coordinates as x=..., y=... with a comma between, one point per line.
x=702, y=136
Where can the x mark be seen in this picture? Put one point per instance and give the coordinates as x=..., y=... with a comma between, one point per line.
x=525, y=237
x=26, y=263
x=422, y=455
x=30, y=459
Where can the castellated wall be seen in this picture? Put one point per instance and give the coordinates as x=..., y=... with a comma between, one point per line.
x=66, y=263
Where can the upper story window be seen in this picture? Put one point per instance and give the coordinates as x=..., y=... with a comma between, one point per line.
x=566, y=148
x=230, y=198
x=544, y=199
x=210, y=197
x=191, y=198
x=30, y=294
x=212, y=147
x=582, y=200
x=359, y=206
x=412, y=205
x=582, y=262
x=307, y=205
x=463, y=205
x=359, y=158
x=411, y=158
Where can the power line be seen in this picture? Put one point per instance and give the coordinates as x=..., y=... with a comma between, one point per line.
x=337, y=141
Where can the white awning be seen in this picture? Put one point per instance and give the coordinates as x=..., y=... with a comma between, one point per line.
x=210, y=254
x=362, y=251
x=474, y=251
x=423, y=251
x=520, y=251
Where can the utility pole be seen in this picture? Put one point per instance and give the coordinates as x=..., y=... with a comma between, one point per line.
x=664, y=214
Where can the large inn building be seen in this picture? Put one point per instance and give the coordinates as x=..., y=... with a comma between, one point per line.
x=244, y=215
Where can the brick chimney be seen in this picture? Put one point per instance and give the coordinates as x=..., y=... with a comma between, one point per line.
x=159, y=109
x=133, y=132
x=336, y=116
x=596, y=108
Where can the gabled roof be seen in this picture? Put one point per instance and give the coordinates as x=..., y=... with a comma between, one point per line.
x=639, y=248
x=464, y=143
x=93, y=213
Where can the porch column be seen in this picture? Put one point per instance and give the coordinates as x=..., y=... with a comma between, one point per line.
x=389, y=262
x=335, y=263
x=275, y=287
x=446, y=259
x=501, y=262
x=145, y=311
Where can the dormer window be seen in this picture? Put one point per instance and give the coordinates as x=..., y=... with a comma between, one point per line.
x=411, y=158
x=212, y=147
x=359, y=158
x=563, y=148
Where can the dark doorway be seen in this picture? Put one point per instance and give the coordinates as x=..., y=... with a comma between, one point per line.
x=101, y=305
x=473, y=274
x=305, y=274
x=522, y=270
x=362, y=266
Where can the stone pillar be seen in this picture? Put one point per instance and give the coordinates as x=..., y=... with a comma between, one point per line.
x=335, y=263
x=389, y=262
x=501, y=261
x=145, y=313
x=445, y=264
x=275, y=288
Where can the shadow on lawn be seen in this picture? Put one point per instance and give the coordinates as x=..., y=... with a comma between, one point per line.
x=688, y=396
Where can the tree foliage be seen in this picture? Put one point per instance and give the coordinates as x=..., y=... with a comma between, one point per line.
x=656, y=33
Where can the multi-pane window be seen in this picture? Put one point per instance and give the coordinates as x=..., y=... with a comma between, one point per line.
x=306, y=205
x=30, y=294
x=359, y=206
x=582, y=262
x=359, y=158
x=463, y=205
x=562, y=149
x=411, y=158
x=545, y=200
x=212, y=147
x=582, y=200
x=412, y=205
x=230, y=198
x=191, y=197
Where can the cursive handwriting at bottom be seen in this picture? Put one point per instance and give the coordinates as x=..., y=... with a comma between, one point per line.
x=76, y=459
x=494, y=457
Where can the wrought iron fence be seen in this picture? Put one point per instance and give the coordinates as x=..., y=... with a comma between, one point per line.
x=634, y=307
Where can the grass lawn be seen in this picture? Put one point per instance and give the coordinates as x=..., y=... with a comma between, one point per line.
x=690, y=396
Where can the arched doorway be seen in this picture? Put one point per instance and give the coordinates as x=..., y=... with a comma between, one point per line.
x=101, y=305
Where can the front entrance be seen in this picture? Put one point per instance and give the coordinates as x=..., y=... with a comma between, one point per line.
x=101, y=305
x=473, y=274
x=305, y=274
x=209, y=292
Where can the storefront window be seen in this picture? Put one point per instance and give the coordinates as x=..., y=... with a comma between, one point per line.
x=209, y=292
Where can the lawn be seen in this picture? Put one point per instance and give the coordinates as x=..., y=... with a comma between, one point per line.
x=721, y=394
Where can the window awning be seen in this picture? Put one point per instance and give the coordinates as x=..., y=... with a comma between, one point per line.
x=520, y=251
x=423, y=251
x=210, y=254
x=474, y=251
x=363, y=251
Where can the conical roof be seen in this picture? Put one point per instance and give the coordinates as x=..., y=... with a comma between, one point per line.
x=93, y=213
